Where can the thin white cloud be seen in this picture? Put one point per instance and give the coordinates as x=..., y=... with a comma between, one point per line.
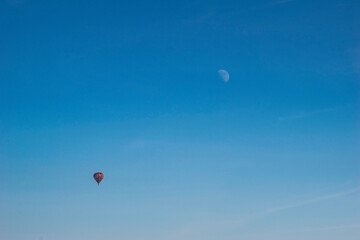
x=207, y=229
x=280, y=2
x=274, y=3
x=313, y=200
x=16, y=2
x=357, y=60
x=307, y=114
x=281, y=234
x=329, y=228
x=199, y=19
x=298, y=204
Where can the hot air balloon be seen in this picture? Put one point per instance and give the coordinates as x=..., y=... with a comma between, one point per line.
x=98, y=176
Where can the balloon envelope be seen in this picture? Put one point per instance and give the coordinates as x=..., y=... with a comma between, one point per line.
x=98, y=176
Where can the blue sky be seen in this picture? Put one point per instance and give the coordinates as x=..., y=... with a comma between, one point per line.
x=132, y=89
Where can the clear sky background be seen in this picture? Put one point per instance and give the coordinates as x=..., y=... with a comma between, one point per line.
x=131, y=88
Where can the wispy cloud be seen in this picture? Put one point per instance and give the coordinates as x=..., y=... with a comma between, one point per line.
x=274, y=3
x=356, y=52
x=307, y=114
x=313, y=200
x=16, y=2
x=298, y=204
x=207, y=229
x=329, y=228
x=280, y=2
x=199, y=19
x=305, y=230
x=142, y=144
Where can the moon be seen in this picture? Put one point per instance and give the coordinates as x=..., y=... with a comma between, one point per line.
x=224, y=75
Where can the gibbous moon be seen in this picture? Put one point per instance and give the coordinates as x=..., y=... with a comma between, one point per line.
x=224, y=75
